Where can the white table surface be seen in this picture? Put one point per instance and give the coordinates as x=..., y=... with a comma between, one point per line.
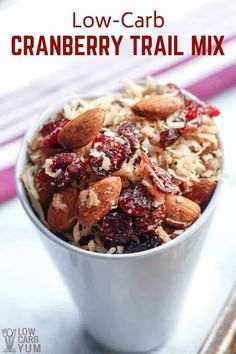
x=33, y=295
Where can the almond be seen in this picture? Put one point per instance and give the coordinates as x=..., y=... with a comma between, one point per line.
x=200, y=191
x=96, y=201
x=181, y=212
x=158, y=107
x=61, y=211
x=82, y=130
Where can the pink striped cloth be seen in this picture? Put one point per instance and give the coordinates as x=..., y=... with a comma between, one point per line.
x=203, y=76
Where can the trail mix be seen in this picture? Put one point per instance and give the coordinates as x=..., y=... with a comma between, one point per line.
x=124, y=173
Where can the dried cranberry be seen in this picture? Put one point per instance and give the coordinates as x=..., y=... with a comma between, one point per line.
x=130, y=131
x=74, y=170
x=191, y=115
x=71, y=169
x=108, y=153
x=42, y=185
x=201, y=107
x=155, y=241
x=136, y=200
x=168, y=137
x=134, y=247
x=117, y=226
x=193, y=108
x=160, y=178
x=147, y=224
x=51, y=130
x=212, y=111
x=193, y=112
x=149, y=243
x=65, y=178
x=63, y=160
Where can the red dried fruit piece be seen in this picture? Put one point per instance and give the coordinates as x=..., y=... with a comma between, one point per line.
x=63, y=160
x=150, y=242
x=108, y=153
x=136, y=200
x=212, y=111
x=168, y=137
x=193, y=108
x=147, y=224
x=71, y=166
x=135, y=248
x=193, y=112
x=51, y=130
x=42, y=185
x=117, y=226
x=160, y=178
x=130, y=131
x=191, y=115
x=72, y=173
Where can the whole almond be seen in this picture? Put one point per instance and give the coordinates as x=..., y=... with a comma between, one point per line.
x=181, y=212
x=61, y=211
x=200, y=191
x=82, y=130
x=96, y=201
x=158, y=107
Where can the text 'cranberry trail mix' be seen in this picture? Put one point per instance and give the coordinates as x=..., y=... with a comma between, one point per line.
x=124, y=173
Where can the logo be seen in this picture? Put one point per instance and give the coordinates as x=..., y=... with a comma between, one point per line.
x=21, y=340
x=9, y=336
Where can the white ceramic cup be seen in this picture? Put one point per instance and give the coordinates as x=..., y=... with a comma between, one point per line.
x=128, y=302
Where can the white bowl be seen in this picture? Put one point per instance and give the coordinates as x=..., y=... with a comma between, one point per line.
x=128, y=302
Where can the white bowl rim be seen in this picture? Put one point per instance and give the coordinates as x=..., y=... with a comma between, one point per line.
x=21, y=192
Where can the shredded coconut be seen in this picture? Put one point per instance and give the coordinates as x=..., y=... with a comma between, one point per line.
x=57, y=202
x=120, y=249
x=77, y=232
x=48, y=170
x=89, y=198
x=162, y=234
x=111, y=250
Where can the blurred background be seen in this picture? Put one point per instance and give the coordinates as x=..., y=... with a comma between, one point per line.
x=32, y=293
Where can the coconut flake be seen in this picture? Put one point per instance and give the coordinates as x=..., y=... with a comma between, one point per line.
x=89, y=198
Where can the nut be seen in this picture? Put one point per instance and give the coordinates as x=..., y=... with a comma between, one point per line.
x=181, y=212
x=96, y=201
x=61, y=211
x=200, y=191
x=158, y=107
x=82, y=130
